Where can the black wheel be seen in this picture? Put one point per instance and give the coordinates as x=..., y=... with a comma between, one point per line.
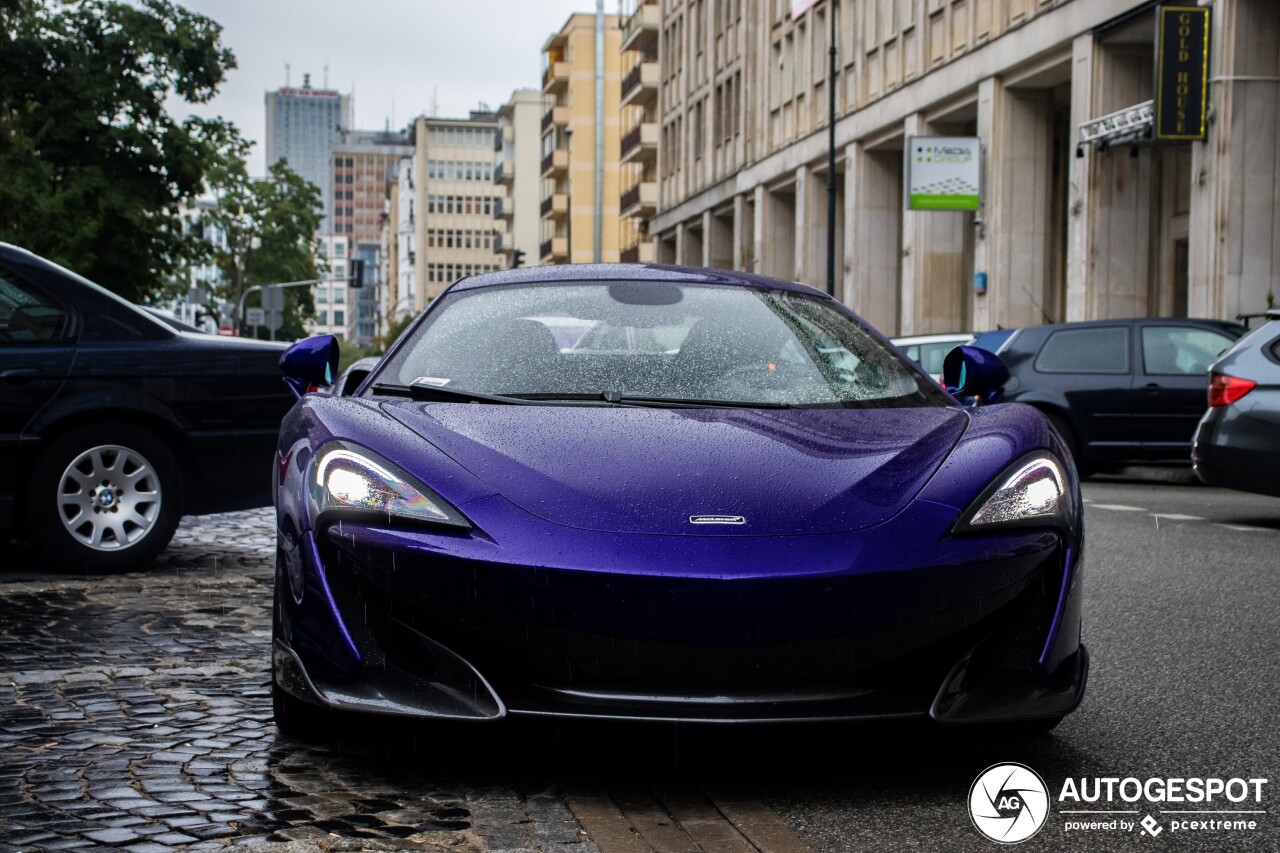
x=1083, y=466
x=295, y=718
x=298, y=719
x=104, y=498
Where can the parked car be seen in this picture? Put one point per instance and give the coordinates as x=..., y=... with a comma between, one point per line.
x=113, y=423
x=349, y=380
x=1118, y=390
x=1237, y=443
x=772, y=515
x=928, y=351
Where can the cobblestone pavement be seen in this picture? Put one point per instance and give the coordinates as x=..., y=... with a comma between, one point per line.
x=135, y=713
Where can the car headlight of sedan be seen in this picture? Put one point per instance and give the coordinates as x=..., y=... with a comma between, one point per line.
x=353, y=482
x=1032, y=492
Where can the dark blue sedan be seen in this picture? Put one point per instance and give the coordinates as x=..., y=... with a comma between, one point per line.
x=114, y=423
x=660, y=493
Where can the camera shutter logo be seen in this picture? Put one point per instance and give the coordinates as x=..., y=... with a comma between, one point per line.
x=1008, y=803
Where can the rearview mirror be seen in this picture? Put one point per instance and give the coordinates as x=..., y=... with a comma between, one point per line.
x=310, y=362
x=974, y=372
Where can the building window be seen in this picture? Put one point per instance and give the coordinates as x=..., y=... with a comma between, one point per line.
x=339, y=319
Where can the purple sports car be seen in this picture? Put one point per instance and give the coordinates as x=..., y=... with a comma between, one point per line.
x=722, y=498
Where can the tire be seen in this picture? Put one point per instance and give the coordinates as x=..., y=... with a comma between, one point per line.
x=1083, y=467
x=104, y=498
x=295, y=718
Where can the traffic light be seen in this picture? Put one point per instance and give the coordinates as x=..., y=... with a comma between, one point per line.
x=357, y=273
x=517, y=258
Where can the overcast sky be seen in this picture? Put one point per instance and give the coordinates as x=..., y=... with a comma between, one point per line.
x=392, y=55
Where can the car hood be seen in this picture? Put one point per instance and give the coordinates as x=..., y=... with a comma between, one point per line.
x=642, y=470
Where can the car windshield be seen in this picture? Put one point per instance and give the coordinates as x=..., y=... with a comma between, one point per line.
x=655, y=340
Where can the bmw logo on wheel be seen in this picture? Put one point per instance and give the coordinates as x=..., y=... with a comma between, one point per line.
x=1008, y=803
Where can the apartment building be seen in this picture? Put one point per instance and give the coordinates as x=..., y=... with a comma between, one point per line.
x=364, y=163
x=518, y=163
x=638, y=148
x=581, y=130
x=336, y=303
x=1084, y=211
x=454, y=198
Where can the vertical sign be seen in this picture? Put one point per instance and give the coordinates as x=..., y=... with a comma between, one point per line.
x=1182, y=71
x=943, y=172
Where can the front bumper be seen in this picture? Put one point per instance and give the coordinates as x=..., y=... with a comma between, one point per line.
x=440, y=626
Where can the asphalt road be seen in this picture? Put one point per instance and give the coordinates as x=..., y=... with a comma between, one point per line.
x=133, y=711
x=1181, y=617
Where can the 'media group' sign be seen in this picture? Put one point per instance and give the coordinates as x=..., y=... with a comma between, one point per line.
x=1182, y=71
x=943, y=172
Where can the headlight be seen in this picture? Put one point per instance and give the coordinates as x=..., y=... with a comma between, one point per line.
x=352, y=481
x=1032, y=492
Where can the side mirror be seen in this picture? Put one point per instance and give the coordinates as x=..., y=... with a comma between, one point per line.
x=310, y=362
x=974, y=372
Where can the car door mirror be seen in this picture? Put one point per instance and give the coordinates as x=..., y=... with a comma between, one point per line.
x=310, y=362
x=974, y=372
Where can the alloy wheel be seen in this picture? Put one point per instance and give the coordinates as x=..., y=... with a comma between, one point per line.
x=109, y=497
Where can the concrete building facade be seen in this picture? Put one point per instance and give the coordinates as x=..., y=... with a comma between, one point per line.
x=581, y=130
x=1068, y=229
x=517, y=164
x=453, y=202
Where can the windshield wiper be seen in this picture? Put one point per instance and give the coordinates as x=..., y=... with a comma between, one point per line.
x=618, y=399
x=687, y=403
x=423, y=391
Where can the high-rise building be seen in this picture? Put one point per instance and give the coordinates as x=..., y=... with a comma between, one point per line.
x=581, y=130
x=517, y=158
x=303, y=126
x=1083, y=210
x=454, y=197
x=638, y=149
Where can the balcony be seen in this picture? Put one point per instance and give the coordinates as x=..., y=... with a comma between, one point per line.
x=556, y=163
x=502, y=209
x=556, y=78
x=641, y=29
x=555, y=206
x=640, y=86
x=640, y=200
x=505, y=172
x=640, y=253
x=639, y=144
x=555, y=115
x=555, y=250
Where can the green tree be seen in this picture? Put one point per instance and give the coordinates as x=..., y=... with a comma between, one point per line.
x=95, y=169
x=395, y=329
x=270, y=227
